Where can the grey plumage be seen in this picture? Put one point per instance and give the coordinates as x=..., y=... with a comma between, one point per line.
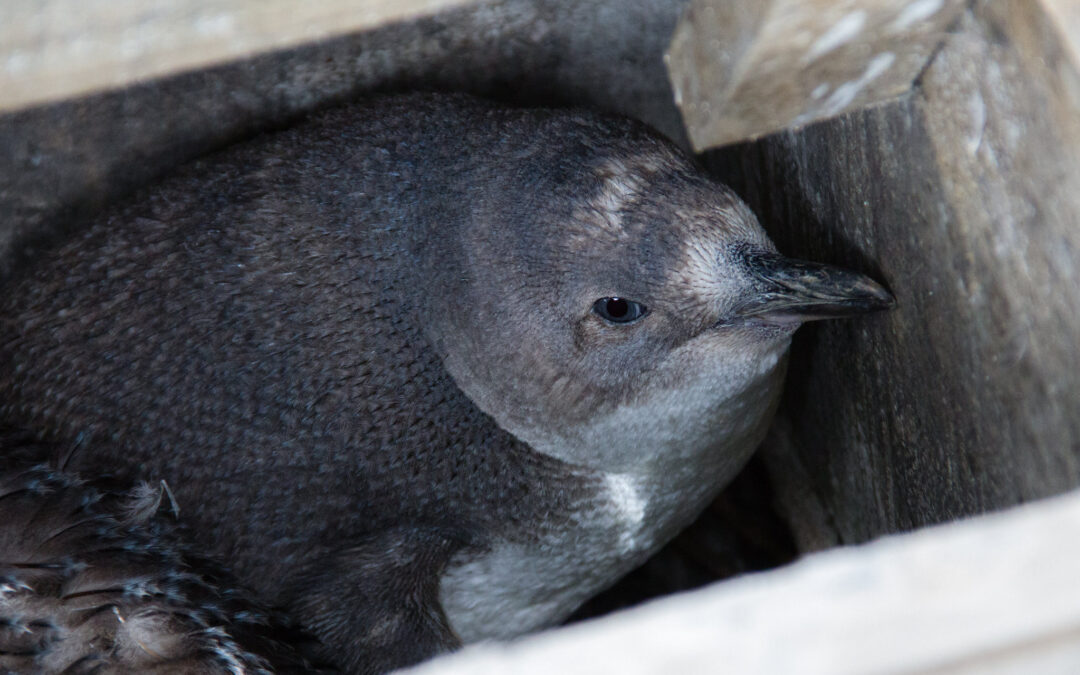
x=366, y=355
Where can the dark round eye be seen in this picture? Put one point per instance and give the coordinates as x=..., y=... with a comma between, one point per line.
x=619, y=310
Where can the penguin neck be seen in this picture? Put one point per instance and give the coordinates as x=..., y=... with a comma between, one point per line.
x=518, y=587
x=678, y=449
x=683, y=436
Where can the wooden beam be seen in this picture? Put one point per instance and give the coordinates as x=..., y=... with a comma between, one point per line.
x=963, y=197
x=1064, y=15
x=745, y=69
x=995, y=594
x=57, y=49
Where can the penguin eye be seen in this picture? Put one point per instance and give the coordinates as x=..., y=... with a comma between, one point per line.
x=619, y=310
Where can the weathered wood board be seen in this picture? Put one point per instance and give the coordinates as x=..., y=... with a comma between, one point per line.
x=72, y=156
x=964, y=196
x=742, y=69
x=950, y=600
x=57, y=49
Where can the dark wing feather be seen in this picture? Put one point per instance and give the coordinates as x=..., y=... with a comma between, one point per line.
x=94, y=579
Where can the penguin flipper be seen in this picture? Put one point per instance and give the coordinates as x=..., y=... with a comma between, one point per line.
x=375, y=604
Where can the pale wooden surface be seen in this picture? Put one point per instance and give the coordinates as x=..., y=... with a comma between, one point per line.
x=66, y=158
x=994, y=595
x=55, y=49
x=745, y=69
x=1064, y=15
x=964, y=197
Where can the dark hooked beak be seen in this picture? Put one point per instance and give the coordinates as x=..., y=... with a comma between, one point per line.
x=793, y=291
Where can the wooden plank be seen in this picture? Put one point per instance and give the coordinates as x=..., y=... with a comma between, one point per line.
x=994, y=595
x=745, y=69
x=964, y=197
x=73, y=156
x=1064, y=15
x=56, y=49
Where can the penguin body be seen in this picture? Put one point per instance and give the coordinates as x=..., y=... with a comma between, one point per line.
x=424, y=369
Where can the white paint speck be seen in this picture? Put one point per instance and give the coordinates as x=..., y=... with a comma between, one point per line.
x=977, y=113
x=878, y=65
x=914, y=12
x=846, y=93
x=16, y=62
x=841, y=32
x=215, y=25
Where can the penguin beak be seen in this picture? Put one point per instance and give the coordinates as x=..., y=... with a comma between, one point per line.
x=793, y=291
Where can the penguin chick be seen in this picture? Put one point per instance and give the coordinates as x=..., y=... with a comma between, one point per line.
x=425, y=369
x=96, y=581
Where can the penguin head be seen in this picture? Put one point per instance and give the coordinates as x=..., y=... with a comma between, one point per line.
x=610, y=304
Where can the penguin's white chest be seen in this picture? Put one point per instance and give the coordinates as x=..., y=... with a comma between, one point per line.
x=516, y=588
x=657, y=463
x=627, y=503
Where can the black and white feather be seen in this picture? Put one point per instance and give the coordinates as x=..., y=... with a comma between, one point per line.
x=95, y=580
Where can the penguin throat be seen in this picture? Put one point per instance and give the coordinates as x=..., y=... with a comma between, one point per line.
x=519, y=586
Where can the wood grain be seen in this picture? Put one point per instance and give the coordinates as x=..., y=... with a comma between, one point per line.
x=741, y=69
x=56, y=49
x=952, y=600
x=964, y=198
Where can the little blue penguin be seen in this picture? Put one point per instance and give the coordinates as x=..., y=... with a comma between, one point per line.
x=424, y=369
